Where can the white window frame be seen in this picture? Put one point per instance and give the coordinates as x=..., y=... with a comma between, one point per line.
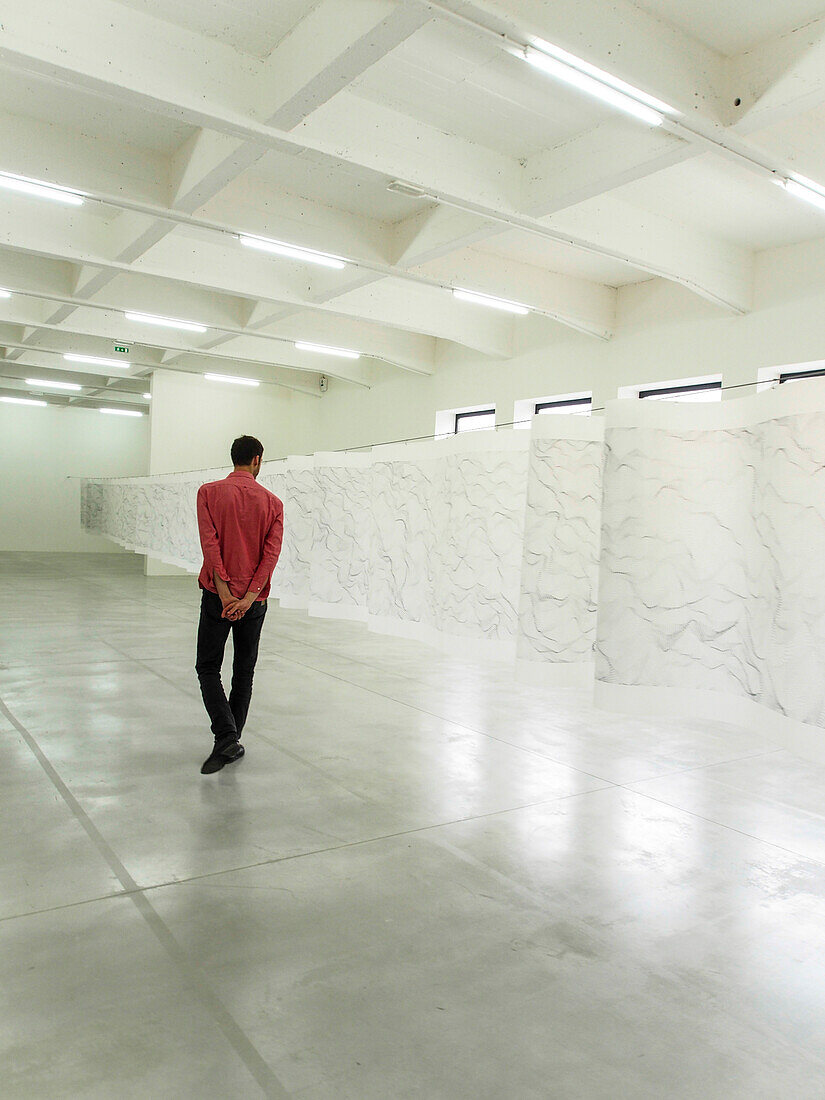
x=768, y=377
x=657, y=391
x=526, y=409
x=445, y=419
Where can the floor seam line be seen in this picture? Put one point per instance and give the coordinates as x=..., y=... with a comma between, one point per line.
x=332, y=653
x=419, y=710
x=314, y=767
x=380, y=695
x=441, y=718
x=273, y=744
x=66, y=905
x=137, y=889
x=377, y=839
x=702, y=767
x=501, y=740
x=722, y=825
x=232, y=1032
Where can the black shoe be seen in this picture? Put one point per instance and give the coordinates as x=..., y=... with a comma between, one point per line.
x=218, y=760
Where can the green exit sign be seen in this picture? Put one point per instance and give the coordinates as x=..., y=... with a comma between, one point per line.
x=122, y=349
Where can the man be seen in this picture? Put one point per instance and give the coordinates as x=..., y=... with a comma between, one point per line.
x=241, y=527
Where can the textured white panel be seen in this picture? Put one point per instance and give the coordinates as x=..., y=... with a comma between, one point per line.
x=423, y=539
x=448, y=523
x=296, y=485
x=403, y=563
x=712, y=573
x=681, y=575
x=478, y=517
x=790, y=523
x=559, y=574
x=342, y=536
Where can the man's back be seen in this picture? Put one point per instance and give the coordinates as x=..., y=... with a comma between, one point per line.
x=243, y=522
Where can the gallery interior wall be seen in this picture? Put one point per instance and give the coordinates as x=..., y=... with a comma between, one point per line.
x=41, y=451
x=194, y=421
x=663, y=331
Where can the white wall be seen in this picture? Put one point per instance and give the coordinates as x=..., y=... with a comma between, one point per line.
x=193, y=421
x=192, y=424
x=40, y=450
x=663, y=332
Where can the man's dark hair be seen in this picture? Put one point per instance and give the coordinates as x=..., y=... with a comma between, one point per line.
x=245, y=449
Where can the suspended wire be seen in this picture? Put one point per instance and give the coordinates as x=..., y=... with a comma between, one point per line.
x=388, y=442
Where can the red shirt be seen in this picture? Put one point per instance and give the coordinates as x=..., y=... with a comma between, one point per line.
x=241, y=526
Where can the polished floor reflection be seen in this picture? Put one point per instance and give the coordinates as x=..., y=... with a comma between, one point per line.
x=424, y=881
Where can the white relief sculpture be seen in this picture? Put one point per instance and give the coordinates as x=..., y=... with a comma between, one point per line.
x=702, y=528
x=712, y=571
x=560, y=565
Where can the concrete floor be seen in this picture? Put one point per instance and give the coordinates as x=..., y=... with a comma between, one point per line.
x=424, y=881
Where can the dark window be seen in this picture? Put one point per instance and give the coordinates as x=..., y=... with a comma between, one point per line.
x=472, y=421
x=801, y=374
x=575, y=404
x=698, y=391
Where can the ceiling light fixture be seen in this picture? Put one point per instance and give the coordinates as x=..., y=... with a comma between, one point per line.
x=41, y=383
x=409, y=189
x=96, y=361
x=120, y=412
x=489, y=300
x=587, y=78
x=808, y=191
x=323, y=349
x=293, y=251
x=41, y=190
x=232, y=378
x=22, y=401
x=164, y=322
x=4, y=293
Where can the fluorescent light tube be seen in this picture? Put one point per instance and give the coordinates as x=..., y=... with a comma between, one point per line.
x=121, y=412
x=4, y=293
x=807, y=192
x=165, y=322
x=41, y=383
x=22, y=401
x=603, y=77
x=232, y=378
x=587, y=78
x=41, y=190
x=97, y=361
x=322, y=349
x=294, y=252
x=488, y=300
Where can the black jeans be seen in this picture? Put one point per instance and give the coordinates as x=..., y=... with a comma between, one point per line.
x=228, y=716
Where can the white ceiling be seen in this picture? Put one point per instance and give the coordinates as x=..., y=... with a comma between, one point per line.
x=76, y=110
x=464, y=84
x=337, y=186
x=798, y=140
x=734, y=26
x=167, y=134
x=725, y=200
x=547, y=255
x=253, y=26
